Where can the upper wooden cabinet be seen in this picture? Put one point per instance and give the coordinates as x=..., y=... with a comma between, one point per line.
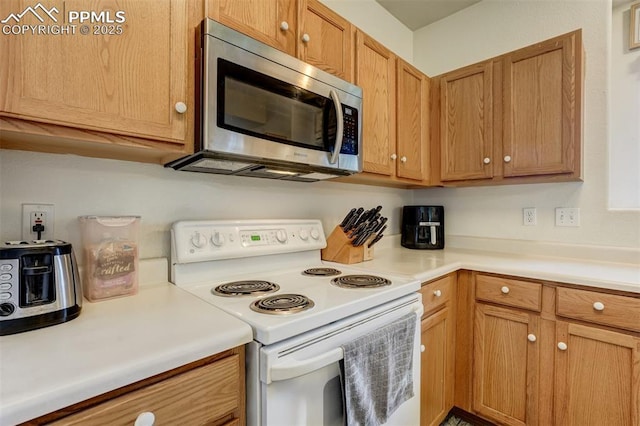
x=466, y=123
x=325, y=39
x=395, y=134
x=272, y=22
x=516, y=118
x=133, y=79
x=542, y=108
x=376, y=75
x=306, y=29
x=412, y=136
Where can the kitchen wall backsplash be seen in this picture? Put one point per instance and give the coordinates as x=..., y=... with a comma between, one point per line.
x=88, y=186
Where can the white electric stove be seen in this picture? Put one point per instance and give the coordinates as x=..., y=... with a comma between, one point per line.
x=269, y=274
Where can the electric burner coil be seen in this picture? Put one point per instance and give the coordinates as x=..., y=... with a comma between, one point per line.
x=282, y=304
x=245, y=288
x=360, y=281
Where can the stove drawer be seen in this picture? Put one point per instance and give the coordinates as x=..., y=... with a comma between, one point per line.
x=199, y=396
x=599, y=308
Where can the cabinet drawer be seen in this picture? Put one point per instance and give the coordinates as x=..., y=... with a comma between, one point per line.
x=198, y=396
x=437, y=293
x=510, y=292
x=600, y=308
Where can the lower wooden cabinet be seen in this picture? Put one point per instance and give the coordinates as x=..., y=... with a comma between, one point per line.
x=437, y=360
x=206, y=392
x=506, y=359
x=551, y=355
x=597, y=377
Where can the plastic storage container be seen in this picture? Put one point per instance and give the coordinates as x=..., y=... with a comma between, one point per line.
x=110, y=256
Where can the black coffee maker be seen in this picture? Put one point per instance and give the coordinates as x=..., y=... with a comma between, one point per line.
x=423, y=227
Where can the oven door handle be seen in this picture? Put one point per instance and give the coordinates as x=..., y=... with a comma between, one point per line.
x=300, y=368
x=339, y=127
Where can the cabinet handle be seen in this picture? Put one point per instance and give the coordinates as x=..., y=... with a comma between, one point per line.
x=507, y=158
x=562, y=346
x=403, y=159
x=505, y=290
x=394, y=156
x=145, y=419
x=486, y=160
x=181, y=107
x=531, y=337
x=598, y=306
x=437, y=293
x=422, y=348
x=284, y=26
x=305, y=38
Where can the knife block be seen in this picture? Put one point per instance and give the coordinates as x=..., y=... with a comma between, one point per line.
x=339, y=249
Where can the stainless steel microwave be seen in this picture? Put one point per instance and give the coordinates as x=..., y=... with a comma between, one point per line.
x=264, y=113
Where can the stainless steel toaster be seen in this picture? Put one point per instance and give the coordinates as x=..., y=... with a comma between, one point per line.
x=39, y=285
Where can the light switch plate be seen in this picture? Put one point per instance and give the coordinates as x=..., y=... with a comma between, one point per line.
x=567, y=216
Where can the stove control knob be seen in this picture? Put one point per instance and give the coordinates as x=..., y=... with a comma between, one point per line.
x=217, y=239
x=304, y=234
x=281, y=236
x=198, y=240
x=315, y=234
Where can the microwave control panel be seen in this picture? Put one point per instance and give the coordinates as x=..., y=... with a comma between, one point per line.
x=350, y=131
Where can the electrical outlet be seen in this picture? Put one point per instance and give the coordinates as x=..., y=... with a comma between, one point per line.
x=37, y=214
x=566, y=216
x=529, y=216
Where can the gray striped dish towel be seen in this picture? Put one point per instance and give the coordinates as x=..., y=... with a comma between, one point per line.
x=378, y=372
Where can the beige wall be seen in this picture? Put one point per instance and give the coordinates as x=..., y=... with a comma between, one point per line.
x=491, y=28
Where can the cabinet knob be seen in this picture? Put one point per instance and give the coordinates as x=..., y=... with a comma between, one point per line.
x=403, y=159
x=394, y=156
x=598, y=306
x=145, y=419
x=531, y=337
x=507, y=158
x=437, y=293
x=284, y=25
x=486, y=160
x=504, y=290
x=305, y=38
x=181, y=107
x=422, y=348
x=562, y=346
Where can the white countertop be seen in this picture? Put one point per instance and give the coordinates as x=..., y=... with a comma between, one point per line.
x=430, y=264
x=116, y=342
x=111, y=344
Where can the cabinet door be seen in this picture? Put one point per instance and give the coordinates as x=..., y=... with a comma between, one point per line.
x=325, y=39
x=597, y=377
x=126, y=81
x=437, y=367
x=412, y=122
x=376, y=74
x=466, y=123
x=273, y=22
x=542, y=108
x=506, y=374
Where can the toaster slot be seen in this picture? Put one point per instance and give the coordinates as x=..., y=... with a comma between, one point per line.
x=37, y=284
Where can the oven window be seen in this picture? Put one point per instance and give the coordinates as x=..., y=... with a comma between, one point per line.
x=258, y=105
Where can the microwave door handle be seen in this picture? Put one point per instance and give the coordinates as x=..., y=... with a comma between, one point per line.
x=299, y=368
x=340, y=127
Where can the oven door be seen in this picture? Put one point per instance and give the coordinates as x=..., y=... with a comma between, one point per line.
x=298, y=381
x=260, y=103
